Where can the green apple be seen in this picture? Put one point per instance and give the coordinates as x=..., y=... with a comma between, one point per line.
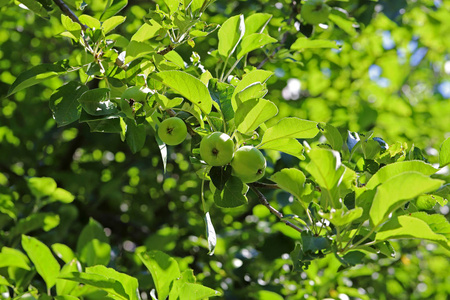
x=248, y=164
x=217, y=149
x=134, y=93
x=315, y=11
x=172, y=131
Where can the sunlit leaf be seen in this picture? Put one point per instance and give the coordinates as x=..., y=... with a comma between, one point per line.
x=253, y=113
x=230, y=33
x=188, y=86
x=164, y=270
x=42, y=258
x=396, y=190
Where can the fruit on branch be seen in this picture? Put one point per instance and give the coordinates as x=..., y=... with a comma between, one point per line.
x=315, y=12
x=172, y=131
x=217, y=149
x=134, y=93
x=248, y=164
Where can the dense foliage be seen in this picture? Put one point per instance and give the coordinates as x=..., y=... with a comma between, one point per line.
x=346, y=100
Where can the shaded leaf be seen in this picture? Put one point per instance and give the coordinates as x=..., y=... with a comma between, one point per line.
x=232, y=195
x=93, y=245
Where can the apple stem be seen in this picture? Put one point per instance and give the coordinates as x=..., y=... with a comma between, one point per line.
x=266, y=203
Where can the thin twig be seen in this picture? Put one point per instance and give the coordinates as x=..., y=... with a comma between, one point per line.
x=265, y=185
x=68, y=12
x=283, y=38
x=266, y=203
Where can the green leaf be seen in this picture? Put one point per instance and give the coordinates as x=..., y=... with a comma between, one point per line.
x=129, y=284
x=45, y=221
x=230, y=33
x=63, y=252
x=61, y=195
x=93, y=245
x=253, y=42
x=222, y=93
x=112, y=23
x=398, y=190
x=260, y=76
x=96, y=102
x=343, y=217
x=232, y=195
x=410, y=228
x=290, y=128
x=192, y=291
x=36, y=75
x=72, y=27
x=188, y=86
x=136, y=50
x=326, y=168
x=291, y=180
x=255, y=90
x=332, y=135
x=42, y=258
x=7, y=205
x=444, y=153
x=145, y=32
x=104, y=279
x=253, y=113
x=186, y=276
x=10, y=257
x=41, y=186
x=219, y=176
x=65, y=287
x=36, y=7
x=63, y=102
x=210, y=234
x=164, y=270
x=397, y=168
x=113, y=7
x=268, y=295
x=172, y=5
x=255, y=23
x=90, y=21
x=288, y=146
x=370, y=149
x=340, y=18
x=135, y=135
x=305, y=43
x=105, y=124
x=437, y=222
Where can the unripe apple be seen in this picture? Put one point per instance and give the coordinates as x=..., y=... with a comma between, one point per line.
x=172, y=131
x=315, y=11
x=248, y=164
x=217, y=149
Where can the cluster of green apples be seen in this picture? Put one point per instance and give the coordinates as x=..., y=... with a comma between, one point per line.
x=218, y=149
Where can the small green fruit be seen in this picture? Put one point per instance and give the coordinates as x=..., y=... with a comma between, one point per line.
x=315, y=12
x=249, y=164
x=172, y=131
x=217, y=149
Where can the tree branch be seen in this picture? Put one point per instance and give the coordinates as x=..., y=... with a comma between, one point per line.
x=264, y=202
x=68, y=12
